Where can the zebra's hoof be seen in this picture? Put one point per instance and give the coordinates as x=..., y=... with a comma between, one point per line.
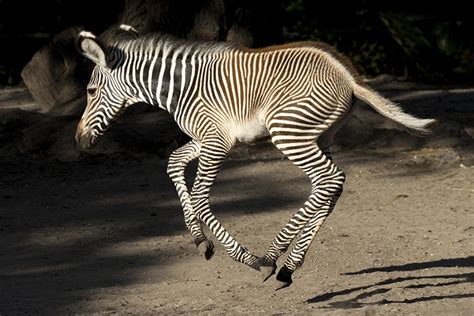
x=206, y=248
x=266, y=267
x=284, y=277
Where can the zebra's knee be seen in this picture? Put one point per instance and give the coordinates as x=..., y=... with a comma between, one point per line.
x=332, y=182
x=171, y=172
x=337, y=176
x=175, y=169
x=341, y=176
x=337, y=181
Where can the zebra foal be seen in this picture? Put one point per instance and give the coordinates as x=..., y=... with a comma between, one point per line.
x=218, y=94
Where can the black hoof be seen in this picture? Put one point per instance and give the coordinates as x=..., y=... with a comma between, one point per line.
x=284, y=276
x=266, y=267
x=206, y=248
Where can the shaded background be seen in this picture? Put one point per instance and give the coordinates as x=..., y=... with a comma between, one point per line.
x=393, y=44
x=104, y=232
x=421, y=40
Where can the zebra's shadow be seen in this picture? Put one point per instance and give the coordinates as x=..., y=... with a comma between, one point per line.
x=400, y=283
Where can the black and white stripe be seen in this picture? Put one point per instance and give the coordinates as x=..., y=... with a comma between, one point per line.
x=218, y=95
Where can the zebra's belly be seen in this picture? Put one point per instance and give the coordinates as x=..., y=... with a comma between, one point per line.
x=249, y=131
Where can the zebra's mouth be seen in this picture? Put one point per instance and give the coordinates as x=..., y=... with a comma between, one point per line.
x=84, y=140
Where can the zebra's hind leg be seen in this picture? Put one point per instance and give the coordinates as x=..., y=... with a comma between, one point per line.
x=214, y=149
x=268, y=265
x=296, y=257
x=177, y=163
x=326, y=180
x=298, y=252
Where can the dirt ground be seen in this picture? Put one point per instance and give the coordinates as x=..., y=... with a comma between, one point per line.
x=105, y=234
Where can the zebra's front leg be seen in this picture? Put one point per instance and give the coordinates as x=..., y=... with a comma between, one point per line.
x=177, y=163
x=213, y=152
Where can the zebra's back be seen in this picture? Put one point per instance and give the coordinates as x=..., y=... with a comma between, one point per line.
x=242, y=90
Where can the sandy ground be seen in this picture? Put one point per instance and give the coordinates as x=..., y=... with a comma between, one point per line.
x=105, y=233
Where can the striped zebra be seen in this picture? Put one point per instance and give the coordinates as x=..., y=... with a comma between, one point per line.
x=218, y=94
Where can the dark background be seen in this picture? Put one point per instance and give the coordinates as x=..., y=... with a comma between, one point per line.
x=417, y=40
x=102, y=232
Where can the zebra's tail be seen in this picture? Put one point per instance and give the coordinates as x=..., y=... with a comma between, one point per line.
x=392, y=111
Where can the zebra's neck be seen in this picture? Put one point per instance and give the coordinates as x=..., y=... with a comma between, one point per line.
x=160, y=72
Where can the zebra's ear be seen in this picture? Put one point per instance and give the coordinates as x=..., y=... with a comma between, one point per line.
x=129, y=29
x=91, y=48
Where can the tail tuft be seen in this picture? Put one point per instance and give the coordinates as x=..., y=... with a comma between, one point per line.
x=392, y=111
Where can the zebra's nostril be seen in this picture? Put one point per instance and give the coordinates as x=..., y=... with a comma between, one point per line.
x=83, y=140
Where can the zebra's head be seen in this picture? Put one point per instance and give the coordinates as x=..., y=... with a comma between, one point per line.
x=106, y=97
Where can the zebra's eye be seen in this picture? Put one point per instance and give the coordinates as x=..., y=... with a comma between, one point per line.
x=91, y=91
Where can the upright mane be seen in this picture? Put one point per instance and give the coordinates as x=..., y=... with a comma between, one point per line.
x=148, y=43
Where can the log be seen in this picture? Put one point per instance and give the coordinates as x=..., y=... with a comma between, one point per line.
x=56, y=76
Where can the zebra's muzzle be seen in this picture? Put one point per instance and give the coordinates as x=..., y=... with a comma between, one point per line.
x=84, y=140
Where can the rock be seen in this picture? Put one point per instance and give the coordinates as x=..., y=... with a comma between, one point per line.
x=57, y=76
x=469, y=131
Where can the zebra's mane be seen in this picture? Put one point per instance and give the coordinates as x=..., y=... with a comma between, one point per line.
x=148, y=44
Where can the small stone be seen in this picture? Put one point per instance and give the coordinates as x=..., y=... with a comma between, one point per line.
x=402, y=196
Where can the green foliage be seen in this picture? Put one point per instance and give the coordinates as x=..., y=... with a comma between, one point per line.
x=294, y=5
x=410, y=39
x=397, y=41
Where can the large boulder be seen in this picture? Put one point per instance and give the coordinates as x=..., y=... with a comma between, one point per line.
x=57, y=77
